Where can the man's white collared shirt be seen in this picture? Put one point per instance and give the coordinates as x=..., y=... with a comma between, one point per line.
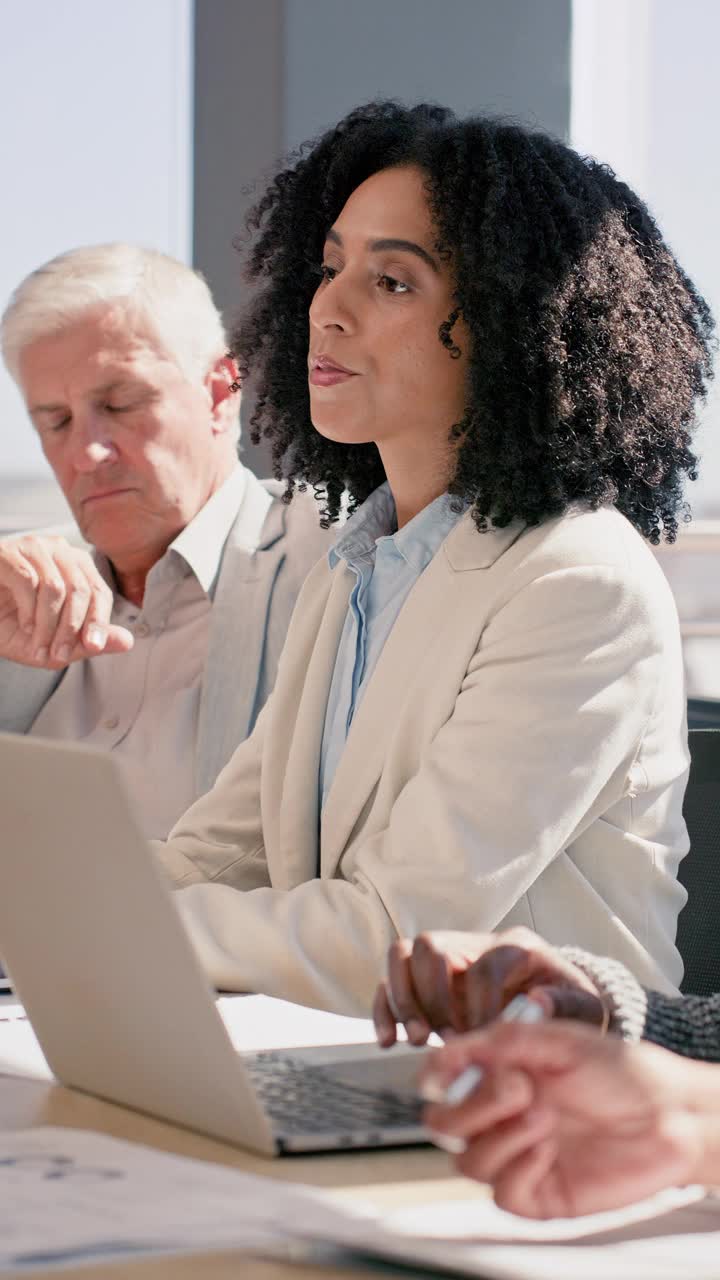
x=144, y=705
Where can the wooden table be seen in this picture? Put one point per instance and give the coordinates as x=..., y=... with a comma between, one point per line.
x=385, y=1178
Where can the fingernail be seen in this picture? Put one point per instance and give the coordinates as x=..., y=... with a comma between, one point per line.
x=63, y=653
x=448, y=1142
x=42, y=655
x=95, y=636
x=416, y=1031
x=433, y=1089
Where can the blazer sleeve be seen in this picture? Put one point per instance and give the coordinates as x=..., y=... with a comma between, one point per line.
x=221, y=835
x=508, y=780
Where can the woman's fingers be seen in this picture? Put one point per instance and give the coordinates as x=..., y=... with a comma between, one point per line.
x=384, y=1018
x=450, y=983
x=494, y=978
x=521, y=963
x=402, y=993
x=570, y=1002
x=431, y=976
x=425, y=983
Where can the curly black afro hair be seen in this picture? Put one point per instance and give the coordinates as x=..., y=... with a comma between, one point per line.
x=590, y=345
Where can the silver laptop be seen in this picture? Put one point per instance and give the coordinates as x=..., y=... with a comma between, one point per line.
x=108, y=978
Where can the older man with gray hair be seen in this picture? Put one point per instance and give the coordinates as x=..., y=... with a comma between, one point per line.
x=153, y=629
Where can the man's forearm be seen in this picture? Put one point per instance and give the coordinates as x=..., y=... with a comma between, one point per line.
x=708, y=1171
x=702, y=1091
x=688, y=1025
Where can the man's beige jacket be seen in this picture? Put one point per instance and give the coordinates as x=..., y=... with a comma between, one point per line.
x=519, y=757
x=253, y=600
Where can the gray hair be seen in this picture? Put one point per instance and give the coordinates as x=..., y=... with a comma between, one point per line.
x=175, y=298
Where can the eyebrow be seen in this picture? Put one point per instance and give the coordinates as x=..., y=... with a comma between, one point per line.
x=106, y=389
x=381, y=246
x=45, y=408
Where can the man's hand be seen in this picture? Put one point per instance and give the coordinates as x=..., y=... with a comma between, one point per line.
x=565, y=1122
x=455, y=982
x=54, y=606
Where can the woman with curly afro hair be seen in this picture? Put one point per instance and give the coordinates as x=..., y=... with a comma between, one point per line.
x=480, y=344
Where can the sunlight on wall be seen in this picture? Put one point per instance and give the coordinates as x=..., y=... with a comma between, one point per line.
x=96, y=105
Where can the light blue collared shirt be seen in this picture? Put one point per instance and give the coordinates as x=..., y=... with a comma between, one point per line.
x=387, y=563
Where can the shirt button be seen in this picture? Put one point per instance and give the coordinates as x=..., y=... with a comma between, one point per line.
x=112, y=722
x=142, y=630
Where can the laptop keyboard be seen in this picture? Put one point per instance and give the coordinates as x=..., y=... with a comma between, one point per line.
x=305, y=1099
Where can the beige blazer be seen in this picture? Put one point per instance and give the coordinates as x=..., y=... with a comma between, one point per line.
x=519, y=757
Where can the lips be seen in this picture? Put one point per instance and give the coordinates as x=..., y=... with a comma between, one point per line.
x=326, y=372
x=100, y=494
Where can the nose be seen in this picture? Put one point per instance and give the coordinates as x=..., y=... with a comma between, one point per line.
x=333, y=306
x=93, y=445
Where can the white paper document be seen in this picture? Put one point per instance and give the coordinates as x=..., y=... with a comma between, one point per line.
x=264, y=1022
x=68, y=1197
x=673, y=1236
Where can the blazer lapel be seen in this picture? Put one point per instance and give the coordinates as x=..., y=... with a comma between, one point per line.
x=300, y=806
x=23, y=694
x=437, y=601
x=238, y=620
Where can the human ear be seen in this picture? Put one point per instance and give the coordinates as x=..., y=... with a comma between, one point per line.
x=221, y=383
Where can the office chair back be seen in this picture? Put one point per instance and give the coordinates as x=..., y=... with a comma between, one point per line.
x=698, y=936
x=703, y=713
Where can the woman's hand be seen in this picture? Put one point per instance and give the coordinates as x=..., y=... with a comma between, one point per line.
x=455, y=982
x=565, y=1123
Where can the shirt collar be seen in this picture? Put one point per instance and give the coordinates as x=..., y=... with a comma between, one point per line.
x=200, y=544
x=420, y=538
x=376, y=520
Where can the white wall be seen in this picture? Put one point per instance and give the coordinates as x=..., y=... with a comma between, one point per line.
x=96, y=111
x=646, y=99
